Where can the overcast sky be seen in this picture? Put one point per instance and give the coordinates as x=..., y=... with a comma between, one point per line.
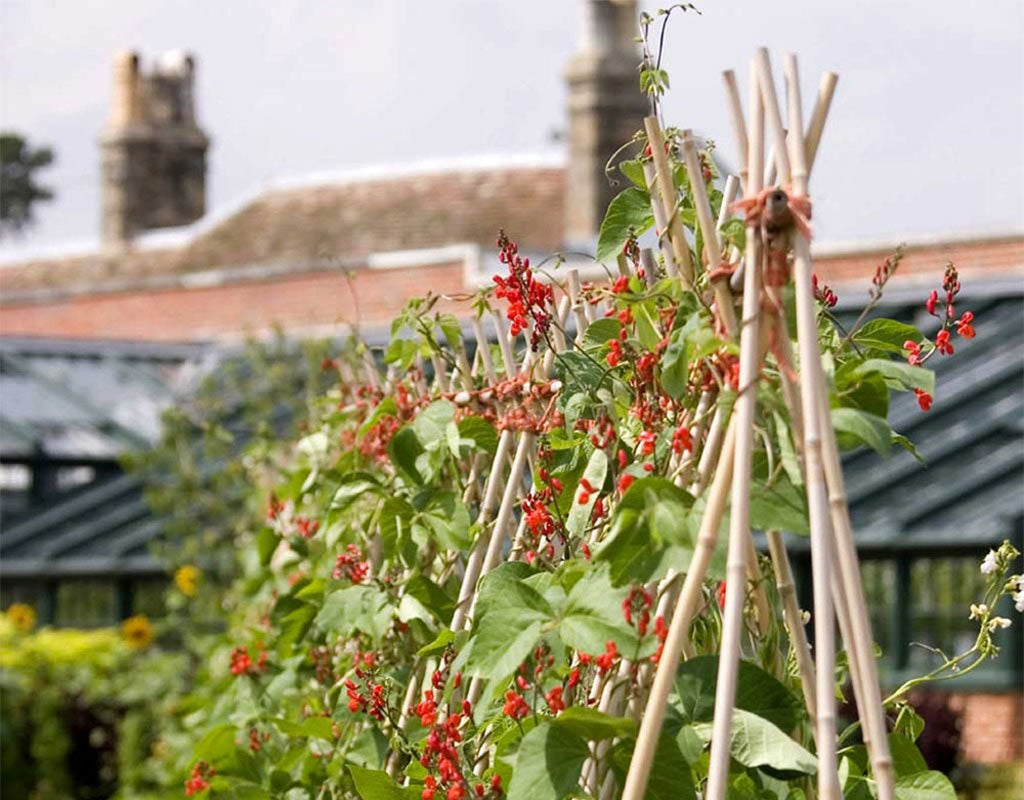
x=926, y=134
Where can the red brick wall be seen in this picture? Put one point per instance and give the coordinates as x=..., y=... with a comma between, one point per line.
x=993, y=727
x=325, y=298
x=296, y=302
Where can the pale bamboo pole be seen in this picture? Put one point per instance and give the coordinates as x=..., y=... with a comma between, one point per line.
x=709, y=230
x=793, y=618
x=826, y=89
x=660, y=220
x=577, y=305
x=739, y=127
x=739, y=513
x=729, y=194
x=869, y=702
x=667, y=190
x=810, y=381
x=677, y=639
x=650, y=266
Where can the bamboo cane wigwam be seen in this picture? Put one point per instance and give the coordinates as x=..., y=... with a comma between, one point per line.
x=792, y=158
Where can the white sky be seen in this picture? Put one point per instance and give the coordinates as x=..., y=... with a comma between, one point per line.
x=926, y=134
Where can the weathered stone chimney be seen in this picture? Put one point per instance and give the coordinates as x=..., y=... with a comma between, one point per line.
x=605, y=108
x=153, y=152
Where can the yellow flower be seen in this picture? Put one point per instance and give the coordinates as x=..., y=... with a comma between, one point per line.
x=137, y=632
x=186, y=578
x=22, y=616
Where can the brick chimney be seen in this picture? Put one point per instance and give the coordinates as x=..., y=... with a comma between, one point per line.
x=153, y=152
x=605, y=108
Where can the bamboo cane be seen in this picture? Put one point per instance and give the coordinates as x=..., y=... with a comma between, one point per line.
x=869, y=702
x=667, y=190
x=810, y=381
x=709, y=230
x=739, y=127
x=739, y=514
x=660, y=220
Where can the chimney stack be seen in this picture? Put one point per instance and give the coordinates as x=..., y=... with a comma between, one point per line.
x=606, y=108
x=153, y=152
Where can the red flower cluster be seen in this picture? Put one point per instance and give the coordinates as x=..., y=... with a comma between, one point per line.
x=427, y=710
x=621, y=284
x=638, y=602
x=350, y=565
x=199, y=778
x=647, y=440
x=720, y=595
x=607, y=658
x=554, y=700
x=823, y=293
x=515, y=706
x=585, y=491
x=242, y=664
x=681, y=440
x=661, y=631
x=256, y=739
x=624, y=482
x=525, y=294
x=614, y=353
x=442, y=747
x=307, y=527
x=274, y=506
x=374, y=703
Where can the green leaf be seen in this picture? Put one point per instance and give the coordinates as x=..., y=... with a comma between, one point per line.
x=897, y=375
x=217, y=746
x=507, y=622
x=395, y=518
x=448, y=519
x=579, y=372
x=631, y=208
x=431, y=422
x=353, y=486
x=373, y=784
x=756, y=692
x=634, y=170
x=294, y=626
x=594, y=725
x=443, y=639
x=781, y=507
x=548, y=764
x=356, y=608
x=925, y=786
x=593, y=616
x=600, y=331
x=671, y=777
x=862, y=428
x=649, y=533
x=906, y=758
x=266, y=543
x=405, y=452
x=449, y=325
x=887, y=334
x=480, y=433
x=675, y=366
x=579, y=514
x=755, y=742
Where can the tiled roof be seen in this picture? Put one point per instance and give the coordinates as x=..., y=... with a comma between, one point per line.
x=340, y=223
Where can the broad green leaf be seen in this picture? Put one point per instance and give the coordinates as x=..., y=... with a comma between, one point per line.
x=925, y=786
x=579, y=514
x=448, y=520
x=395, y=517
x=887, y=334
x=432, y=596
x=548, y=764
x=649, y=534
x=906, y=758
x=594, y=725
x=507, y=623
x=294, y=627
x=480, y=432
x=908, y=723
x=217, y=746
x=862, y=428
x=431, y=422
x=593, y=616
x=353, y=486
x=372, y=784
x=634, y=170
x=579, y=372
x=449, y=325
x=671, y=777
x=406, y=452
x=356, y=608
x=600, y=331
x=630, y=209
x=675, y=366
x=755, y=742
x=266, y=543
x=779, y=507
x=438, y=645
x=898, y=375
x=756, y=692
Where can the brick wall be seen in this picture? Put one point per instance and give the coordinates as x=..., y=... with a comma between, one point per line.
x=316, y=300
x=992, y=731
x=300, y=302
